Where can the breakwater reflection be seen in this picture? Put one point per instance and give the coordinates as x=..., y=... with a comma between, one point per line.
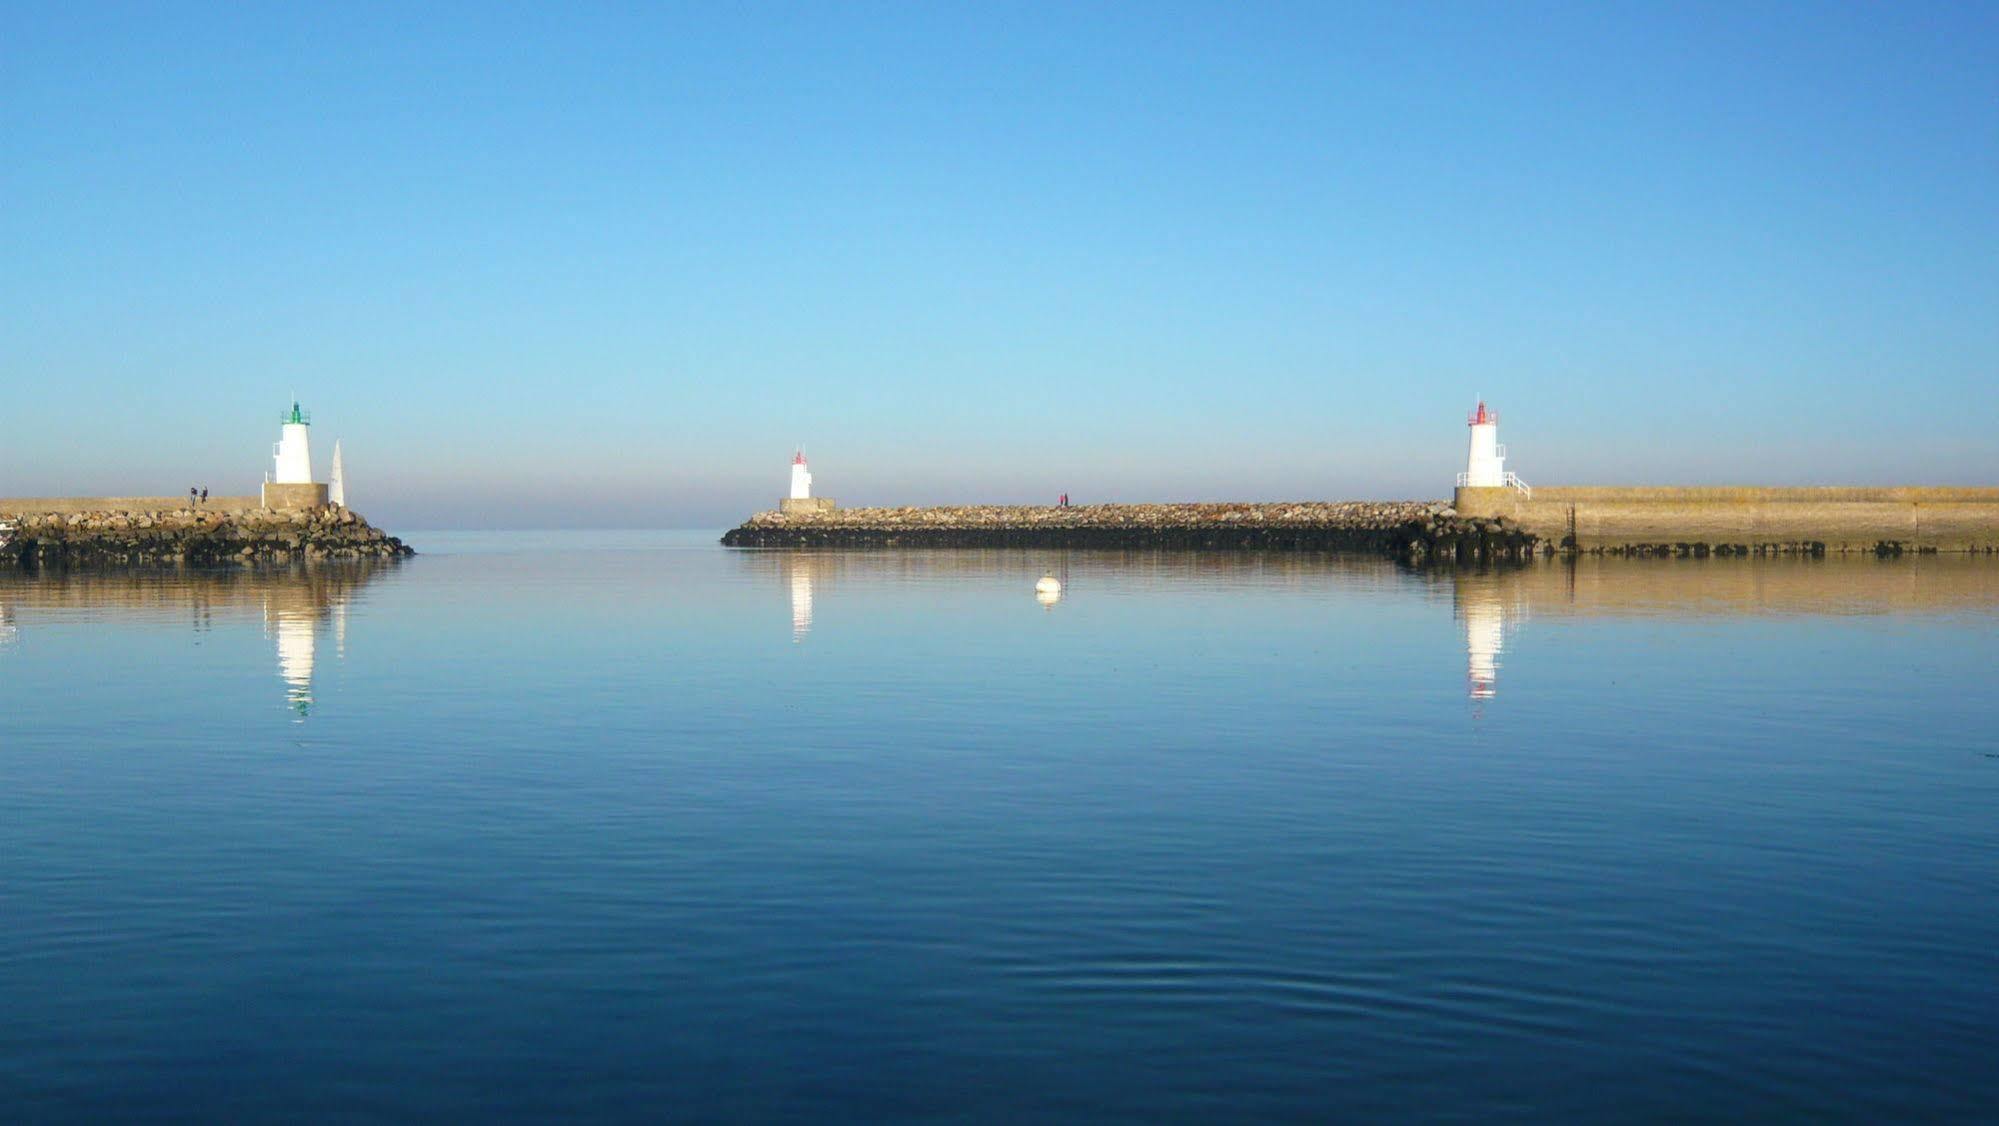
x=298, y=609
x=1491, y=605
x=803, y=575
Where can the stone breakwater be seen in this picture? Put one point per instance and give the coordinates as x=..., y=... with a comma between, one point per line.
x=194, y=536
x=1416, y=531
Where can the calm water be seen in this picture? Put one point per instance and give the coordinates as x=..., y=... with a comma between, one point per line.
x=631, y=826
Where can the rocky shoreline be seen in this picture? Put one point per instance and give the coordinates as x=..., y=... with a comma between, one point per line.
x=118, y=538
x=1413, y=531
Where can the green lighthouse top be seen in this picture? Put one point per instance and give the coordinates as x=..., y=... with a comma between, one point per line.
x=298, y=416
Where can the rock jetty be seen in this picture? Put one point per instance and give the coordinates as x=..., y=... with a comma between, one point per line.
x=264, y=535
x=1415, y=531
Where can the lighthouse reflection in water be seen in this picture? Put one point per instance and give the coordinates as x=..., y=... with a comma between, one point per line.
x=798, y=571
x=294, y=626
x=1489, y=606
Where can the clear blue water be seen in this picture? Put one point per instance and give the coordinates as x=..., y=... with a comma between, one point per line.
x=634, y=827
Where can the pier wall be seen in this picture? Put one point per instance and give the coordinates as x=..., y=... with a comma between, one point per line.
x=1409, y=530
x=1830, y=519
x=295, y=496
x=126, y=536
x=25, y=506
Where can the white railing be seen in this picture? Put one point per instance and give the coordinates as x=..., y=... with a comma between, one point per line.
x=1509, y=481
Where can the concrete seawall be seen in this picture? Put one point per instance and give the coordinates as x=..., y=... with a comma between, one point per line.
x=1728, y=520
x=31, y=506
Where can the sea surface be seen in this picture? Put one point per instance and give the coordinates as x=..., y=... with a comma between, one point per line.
x=578, y=827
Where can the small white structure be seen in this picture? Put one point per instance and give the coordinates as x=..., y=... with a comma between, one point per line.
x=1485, y=464
x=801, y=478
x=294, y=450
x=336, y=482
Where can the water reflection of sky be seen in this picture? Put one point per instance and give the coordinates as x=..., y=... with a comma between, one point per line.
x=1157, y=848
x=300, y=613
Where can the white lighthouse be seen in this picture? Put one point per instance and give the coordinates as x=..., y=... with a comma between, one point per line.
x=801, y=502
x=801, y=478
x=1485, y=464
x=294, y=450
x=290, y=484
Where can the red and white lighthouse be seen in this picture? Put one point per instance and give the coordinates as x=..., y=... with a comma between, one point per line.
x=1485, y=463
x=801, y=477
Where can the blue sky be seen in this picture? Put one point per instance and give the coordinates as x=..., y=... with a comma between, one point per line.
x=547, y=265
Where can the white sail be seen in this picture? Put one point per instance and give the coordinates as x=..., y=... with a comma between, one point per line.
x=336, y=485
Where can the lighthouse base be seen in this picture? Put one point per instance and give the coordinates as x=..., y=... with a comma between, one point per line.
x=294, y=496
x=806, y=506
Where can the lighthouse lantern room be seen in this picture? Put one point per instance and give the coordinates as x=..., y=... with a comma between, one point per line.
x=1485, y=464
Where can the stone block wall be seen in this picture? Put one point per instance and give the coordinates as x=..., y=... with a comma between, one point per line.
x=23, y=506
x=1833, y=519
x=294, y=496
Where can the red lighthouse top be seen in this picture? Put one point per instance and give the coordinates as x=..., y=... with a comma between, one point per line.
x=798, y=458
x=1484, y=417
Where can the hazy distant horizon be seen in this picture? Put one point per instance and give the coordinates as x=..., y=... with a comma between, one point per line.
x=607, y=269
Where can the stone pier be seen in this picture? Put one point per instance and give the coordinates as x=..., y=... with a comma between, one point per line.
x=1746, y=520
x=1412, y=530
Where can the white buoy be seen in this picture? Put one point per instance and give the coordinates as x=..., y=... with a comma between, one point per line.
x=1049, y=584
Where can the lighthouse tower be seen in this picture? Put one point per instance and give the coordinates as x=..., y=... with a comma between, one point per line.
x=801, y=502
x=801, y=477
x=1485, y=464
x=294, y=451
x=290, y=484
